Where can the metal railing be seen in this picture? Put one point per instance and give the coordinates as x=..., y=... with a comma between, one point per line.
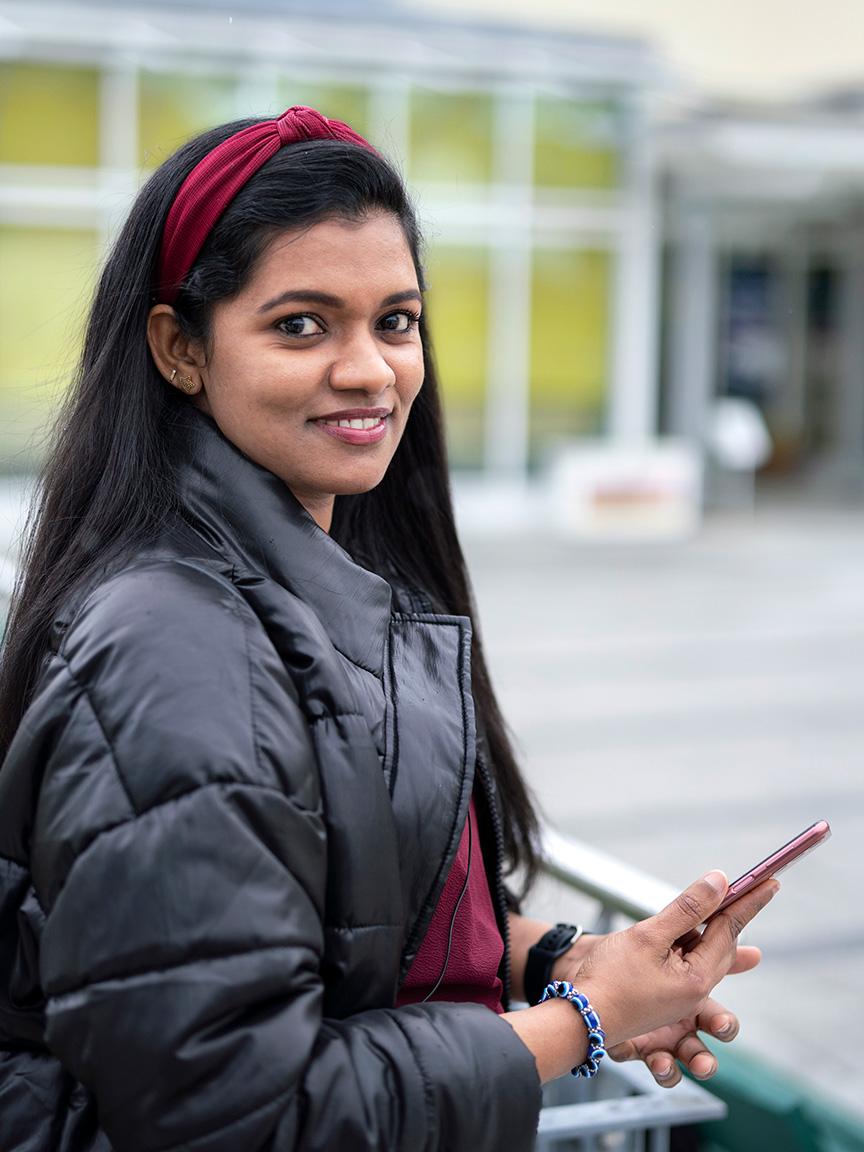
x=623, y=1109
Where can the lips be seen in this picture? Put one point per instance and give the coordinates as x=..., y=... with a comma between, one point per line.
x=357, y=436
x=355, y=414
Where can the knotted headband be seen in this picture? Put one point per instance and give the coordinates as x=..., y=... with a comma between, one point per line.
x=215, y=181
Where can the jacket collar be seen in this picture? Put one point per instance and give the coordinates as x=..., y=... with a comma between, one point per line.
x=249, y=515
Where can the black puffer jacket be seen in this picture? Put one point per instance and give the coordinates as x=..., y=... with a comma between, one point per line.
x=224, y=825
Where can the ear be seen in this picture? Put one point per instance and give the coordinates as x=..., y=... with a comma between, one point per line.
x=174, y=354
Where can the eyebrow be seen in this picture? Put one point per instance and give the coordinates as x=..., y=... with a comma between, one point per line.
x=312, y=296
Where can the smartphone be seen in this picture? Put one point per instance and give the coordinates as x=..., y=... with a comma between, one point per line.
x=797, y=847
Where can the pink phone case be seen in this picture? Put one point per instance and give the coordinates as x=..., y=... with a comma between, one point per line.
x=799, y=846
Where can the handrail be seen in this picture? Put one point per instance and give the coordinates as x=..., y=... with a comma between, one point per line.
x=617, y=886
x=638, y=1105
x=7, y=576
x=629, y=1103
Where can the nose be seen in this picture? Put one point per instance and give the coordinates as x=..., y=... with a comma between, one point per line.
x=361, y=366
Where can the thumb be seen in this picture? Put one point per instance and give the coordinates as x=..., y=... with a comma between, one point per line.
x=693, y=907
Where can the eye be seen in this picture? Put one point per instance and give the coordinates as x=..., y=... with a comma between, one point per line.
x=402, y=321
x=300, y=326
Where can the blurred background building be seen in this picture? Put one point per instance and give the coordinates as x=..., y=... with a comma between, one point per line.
x=608, y=253
x=527, y=153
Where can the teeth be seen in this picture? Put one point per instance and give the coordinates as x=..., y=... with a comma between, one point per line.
x=361, y=424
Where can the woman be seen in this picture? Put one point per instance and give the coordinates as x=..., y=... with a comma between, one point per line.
x=255, y=777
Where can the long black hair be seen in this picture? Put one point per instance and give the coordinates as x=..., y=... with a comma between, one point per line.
x=108, y=483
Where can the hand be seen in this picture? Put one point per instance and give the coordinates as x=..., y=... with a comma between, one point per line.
x=654, y=978
x=568, y=966
x=659, y=973
x=679, y=1041
x=660, y=1049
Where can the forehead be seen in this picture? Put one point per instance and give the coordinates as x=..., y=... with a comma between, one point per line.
x=371, y=254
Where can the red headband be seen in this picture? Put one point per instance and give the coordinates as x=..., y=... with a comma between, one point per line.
x=215, y=181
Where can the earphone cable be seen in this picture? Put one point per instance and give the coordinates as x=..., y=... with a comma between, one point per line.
x=443, y=971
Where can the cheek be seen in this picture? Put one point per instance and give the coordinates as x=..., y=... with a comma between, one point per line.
x=259, y=383
x=410, y=374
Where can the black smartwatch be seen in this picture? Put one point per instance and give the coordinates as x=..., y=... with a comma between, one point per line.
x=541, y=957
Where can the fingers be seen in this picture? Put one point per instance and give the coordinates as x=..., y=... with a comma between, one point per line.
x=626, y=1050
x=658, y=1059
x=686, y=942
x=746, y=958
x=726, y=926
x=663, y=1068
x=680, y=1042
x=662, y=1063
x=692, y=907
x=700, y=1062
x=717, y=1021
x=690, y=1050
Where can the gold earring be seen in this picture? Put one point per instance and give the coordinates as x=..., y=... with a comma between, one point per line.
x=185, y=382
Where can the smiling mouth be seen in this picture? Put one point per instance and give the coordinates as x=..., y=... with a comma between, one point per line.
x=356, y=431
x=365, y=422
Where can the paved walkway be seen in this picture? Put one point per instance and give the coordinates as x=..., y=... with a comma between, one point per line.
x=695, y=705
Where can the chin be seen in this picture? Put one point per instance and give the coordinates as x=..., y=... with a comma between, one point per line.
x=357, y=487
x=362, y=481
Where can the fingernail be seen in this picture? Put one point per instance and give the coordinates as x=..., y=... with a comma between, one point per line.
x=717, y=880
x=723, y=1029
x=663, y=1072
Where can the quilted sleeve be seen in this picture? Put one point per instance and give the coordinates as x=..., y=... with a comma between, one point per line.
x=179, y=853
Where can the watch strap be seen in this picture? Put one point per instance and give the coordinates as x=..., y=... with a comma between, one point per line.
x=542, y=956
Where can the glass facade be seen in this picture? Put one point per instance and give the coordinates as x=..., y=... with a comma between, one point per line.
x=450, y=137
x=569, y=344
x=46, y=278
x=172, y=107
x=49, y=115
x=458, y=310
x=575, y=144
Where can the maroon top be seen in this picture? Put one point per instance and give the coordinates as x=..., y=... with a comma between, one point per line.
x=475, y=955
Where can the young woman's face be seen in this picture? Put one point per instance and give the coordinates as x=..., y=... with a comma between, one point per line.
x=325, y=332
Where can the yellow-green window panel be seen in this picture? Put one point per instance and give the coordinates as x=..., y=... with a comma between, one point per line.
x=47, y=277
x=173, y=108
x=450, y=136
x=575, y=144
x=458, y=311
x=49, y=115
x=346, y=102
x=570, y=323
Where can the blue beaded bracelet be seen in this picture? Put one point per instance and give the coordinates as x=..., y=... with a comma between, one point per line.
x=596, y=1036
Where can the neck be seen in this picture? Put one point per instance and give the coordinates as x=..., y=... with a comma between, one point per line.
x=320, y=508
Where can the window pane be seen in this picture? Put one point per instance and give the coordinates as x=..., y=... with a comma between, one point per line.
x=575, y=145
x=49, y=115
x=46, y=278
x=173, y=108
x=451, y=136
x=569, y=337
x=458, y=309
x=337, y=101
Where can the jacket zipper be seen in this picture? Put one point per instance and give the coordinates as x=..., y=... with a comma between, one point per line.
x=501, y=908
